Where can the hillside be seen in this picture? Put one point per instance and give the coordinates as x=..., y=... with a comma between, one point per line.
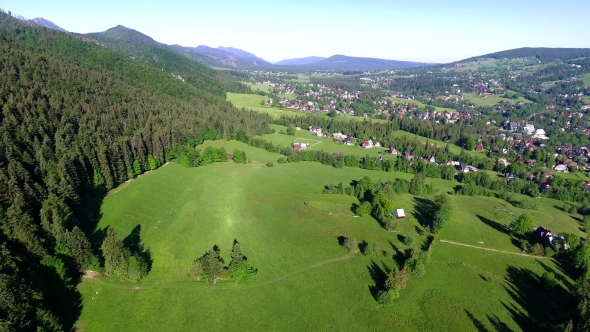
x=90, y=119
x=543, y=54
x=343, y=62
x=189, y=68
x=300, y=61
x=230, y=57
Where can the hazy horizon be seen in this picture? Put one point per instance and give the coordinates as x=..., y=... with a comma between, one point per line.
x=423, y=31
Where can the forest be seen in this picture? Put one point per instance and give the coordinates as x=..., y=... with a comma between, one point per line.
x=77, y=120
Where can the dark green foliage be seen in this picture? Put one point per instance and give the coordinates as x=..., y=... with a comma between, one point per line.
x=384, y=298
x=210, y=266
x=350, y=244
x=239, y=157
x=369, y=249
x=120, y=261
x=213, y=266
x=408, y=240
x=442, y=212
x=363, y=209
x=522, y=225
x=270, y=164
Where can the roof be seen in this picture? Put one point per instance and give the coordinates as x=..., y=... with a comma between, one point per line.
x=400, y=213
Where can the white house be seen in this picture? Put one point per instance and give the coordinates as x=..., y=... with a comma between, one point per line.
x=399, y=213
x=528, y=129
x=316, y=130
x=561, y=168
x=540, y=134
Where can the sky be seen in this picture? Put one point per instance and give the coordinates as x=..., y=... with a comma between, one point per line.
x=412, y=30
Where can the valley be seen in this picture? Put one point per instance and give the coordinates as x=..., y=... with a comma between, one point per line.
x=146, y=185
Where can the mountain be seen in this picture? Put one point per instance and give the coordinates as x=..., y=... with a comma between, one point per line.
x=299, y=61
x=343, y=62
x=48, y=24
x=79, y=119
x=239, y=53
x=232, y=57
x=544, y=54
x=186, y=64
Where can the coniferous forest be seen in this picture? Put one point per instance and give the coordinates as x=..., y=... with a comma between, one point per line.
x=77, y=119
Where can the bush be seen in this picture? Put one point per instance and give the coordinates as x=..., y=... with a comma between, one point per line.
x=369, y=249
x=528, y=203
x=270, y=164
x=281, y=160
x=390, y=224
x=573, y=209
x=408, y=240
x=384, y=298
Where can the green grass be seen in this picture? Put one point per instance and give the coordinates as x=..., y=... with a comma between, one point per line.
x=321, y=143
x=580, y=176
x=586, y=79
x=252, y=102
x=254, y=154
x=185, y=211
x=420, y=104
x=452, y=148
x=490, y=100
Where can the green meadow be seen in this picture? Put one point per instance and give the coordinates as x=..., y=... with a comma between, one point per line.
x=420, y=104
x=490, y=100
x=306, y=281
x=452, y=147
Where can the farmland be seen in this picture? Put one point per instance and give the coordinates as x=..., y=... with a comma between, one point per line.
x=306, y=280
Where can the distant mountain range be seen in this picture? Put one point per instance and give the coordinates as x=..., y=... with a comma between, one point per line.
x=299, y=61
x=48, y=24
x=124, y=39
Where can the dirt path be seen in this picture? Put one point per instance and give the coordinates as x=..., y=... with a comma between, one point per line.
x=496, y=250
x=255, y=285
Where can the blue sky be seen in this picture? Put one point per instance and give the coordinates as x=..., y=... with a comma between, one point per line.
x=418, y=30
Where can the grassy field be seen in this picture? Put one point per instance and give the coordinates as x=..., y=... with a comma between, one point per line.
x=586, y=79
x=320, y=143
x=490, y=100
x=420, y=104
x=252, y=102
x=579, y=176
x=453, y=148
x=305, y=279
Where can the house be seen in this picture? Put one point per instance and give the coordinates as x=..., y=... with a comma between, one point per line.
x=367, y=144
x=347, y=141
x=392, y=151
x=540, y=134
x=544, y=186
x=510, y=176
x=542, y=233
x=512, y=126
x=338, y=136
x=336, y=155
x=561, y=168
x=300, y=146
x=528, y=129
x=463, y=168
x=430, y=159
x=316, y=130
x=479, y=147
x=399, y=213
x=409, y=157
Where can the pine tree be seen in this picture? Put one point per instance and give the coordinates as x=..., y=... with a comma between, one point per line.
x=236, y=254
x=212, y=266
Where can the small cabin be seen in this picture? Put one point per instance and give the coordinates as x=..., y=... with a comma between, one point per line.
x=399, y=213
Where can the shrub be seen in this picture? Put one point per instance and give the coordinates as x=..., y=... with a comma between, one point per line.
x=270, y=164
x=408, y=240
x=384, y=298
x=281, y=160
x=349, y=243
x=390, y=224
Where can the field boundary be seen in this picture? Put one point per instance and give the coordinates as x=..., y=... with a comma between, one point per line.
x=495, y=250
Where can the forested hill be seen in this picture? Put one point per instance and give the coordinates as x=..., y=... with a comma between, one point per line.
x=190, y=68
x=78, y=119
x=541, y=53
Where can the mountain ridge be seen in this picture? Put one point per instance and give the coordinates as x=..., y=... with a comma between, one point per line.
x=47, y=24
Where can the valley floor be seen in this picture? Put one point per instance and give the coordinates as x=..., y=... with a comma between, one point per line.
x=306, y=280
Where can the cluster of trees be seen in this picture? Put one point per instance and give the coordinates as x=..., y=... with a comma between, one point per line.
x=78, y=119
x=376, y=198
x=125, y=260
x=210, y=267
x=414, y=265
x=441, y=213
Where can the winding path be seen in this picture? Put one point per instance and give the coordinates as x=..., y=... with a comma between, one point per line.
x=496, y=250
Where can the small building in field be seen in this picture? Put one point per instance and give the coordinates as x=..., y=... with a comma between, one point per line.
x=399, y=213
x=392, y=151
x=367, y=144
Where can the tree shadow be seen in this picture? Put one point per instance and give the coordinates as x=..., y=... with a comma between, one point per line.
x=495, y=225
x=423, y=210
x=558, y=274
x=398, y=256
x=536, y=306
x=133, y=243
x=379, y=277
